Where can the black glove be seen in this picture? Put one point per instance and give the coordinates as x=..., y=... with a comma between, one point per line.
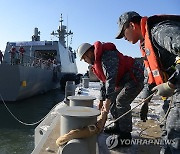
x=144, y=112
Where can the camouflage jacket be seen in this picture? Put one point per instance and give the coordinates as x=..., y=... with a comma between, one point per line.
x=166, y=39
x=110, y=64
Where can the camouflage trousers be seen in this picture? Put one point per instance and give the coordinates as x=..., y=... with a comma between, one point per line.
x=129, y=89
x=171, y=134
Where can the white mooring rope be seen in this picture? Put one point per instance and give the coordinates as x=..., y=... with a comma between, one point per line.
x=24, y=123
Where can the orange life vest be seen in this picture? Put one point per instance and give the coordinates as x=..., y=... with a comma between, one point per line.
x=13, y=50
x=21, y=50
x=152, y=64
x=125, y=62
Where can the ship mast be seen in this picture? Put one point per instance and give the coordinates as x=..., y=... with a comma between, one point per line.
x=36, y=36
x=62, y=33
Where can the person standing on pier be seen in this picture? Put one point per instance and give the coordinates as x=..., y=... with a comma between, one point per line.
x=121, y=75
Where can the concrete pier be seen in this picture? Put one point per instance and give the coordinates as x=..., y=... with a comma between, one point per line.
x=46, y=143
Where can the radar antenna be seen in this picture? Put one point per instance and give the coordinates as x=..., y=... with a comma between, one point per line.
x=62, y=33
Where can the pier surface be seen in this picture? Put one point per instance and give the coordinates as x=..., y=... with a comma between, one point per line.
x=144, y=144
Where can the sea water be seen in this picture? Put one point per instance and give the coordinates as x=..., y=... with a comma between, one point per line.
x=18, y=138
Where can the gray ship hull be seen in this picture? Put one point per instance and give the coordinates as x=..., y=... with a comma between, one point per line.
x=19, y=82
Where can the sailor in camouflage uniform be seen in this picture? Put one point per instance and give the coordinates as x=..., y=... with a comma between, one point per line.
x=122, y=78
x=159, y=38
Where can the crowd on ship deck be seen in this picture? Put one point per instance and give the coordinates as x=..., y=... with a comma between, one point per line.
x=19, y=57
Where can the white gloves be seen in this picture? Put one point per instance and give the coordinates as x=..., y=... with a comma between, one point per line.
x=164, y=90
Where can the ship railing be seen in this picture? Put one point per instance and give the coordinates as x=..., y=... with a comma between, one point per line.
x=31, y=61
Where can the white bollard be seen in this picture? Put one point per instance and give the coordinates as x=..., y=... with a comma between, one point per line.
x=86, y=101
x=85, y=82
x=75, y=117
x=69, y=89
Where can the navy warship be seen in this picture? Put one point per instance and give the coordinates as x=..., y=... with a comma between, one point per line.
x=34, y=67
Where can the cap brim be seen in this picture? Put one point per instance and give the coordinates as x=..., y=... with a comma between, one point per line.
x=119, y=35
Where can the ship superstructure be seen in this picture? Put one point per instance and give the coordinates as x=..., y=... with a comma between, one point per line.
x=33, y=67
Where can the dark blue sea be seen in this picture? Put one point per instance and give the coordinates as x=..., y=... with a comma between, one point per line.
x=16, y=138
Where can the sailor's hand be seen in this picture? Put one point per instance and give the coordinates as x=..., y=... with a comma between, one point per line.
x=100, y=105
x=107, y=105
x=164, y=89
x=102, y=120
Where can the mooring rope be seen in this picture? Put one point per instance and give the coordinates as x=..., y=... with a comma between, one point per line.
x=150, y=96
x=24, y=123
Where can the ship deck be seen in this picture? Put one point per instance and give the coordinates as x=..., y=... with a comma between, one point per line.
x=144, y=144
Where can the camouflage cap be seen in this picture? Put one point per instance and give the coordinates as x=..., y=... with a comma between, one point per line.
x=124, y=18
